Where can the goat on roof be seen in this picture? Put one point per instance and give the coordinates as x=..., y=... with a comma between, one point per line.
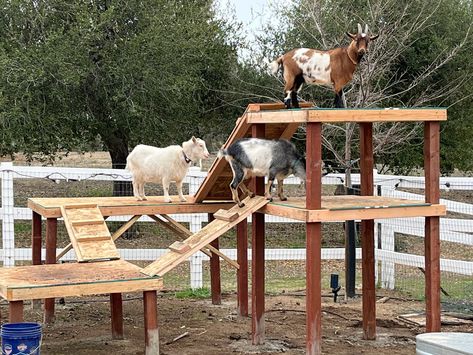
x=334, y=67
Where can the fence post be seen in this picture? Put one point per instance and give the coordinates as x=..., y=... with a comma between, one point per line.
x=8, y=220
x=387, y=267
x=196, y=280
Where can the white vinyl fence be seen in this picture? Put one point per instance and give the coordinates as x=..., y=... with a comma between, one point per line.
x=452, y=229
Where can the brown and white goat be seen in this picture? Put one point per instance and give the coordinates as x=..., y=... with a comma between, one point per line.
x=334, y=67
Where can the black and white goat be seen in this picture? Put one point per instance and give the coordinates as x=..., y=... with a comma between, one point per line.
x=334, y=67
x=275, y=159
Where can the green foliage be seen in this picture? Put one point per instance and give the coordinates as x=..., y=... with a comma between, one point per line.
x=127, y=71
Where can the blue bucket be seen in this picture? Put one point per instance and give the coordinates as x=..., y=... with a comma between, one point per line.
x=21, y=338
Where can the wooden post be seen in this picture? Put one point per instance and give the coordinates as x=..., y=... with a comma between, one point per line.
x=313, y=240
x=36, y=241
x=150, y=302
x=215, y=285
x=257, y=262
x=116, y=310
x=432, y=231
x=242, y=272
x=367, y=233
x=51, y=241
x=15, y=310
x=36, y=238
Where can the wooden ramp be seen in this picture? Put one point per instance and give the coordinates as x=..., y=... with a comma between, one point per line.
x=225, y=220
x=88, y=232
x=215, y=185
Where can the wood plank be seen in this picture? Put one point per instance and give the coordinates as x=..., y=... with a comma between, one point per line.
x=124, y=206
x=198, y=240
x=224, y=215
x=119, y=232
x=87, y=222
x=179, y=247
x=347, y=115
x=73, y=279
x=93, y=238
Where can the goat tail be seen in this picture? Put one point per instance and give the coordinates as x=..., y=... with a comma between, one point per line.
x=222, y=153
x=276, y=64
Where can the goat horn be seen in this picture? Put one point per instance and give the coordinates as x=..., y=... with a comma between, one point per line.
x=359, y=29
x=366, y=28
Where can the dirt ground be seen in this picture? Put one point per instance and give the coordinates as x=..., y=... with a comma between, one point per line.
x=83, y=327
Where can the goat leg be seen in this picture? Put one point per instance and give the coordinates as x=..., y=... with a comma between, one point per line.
x=281, y=191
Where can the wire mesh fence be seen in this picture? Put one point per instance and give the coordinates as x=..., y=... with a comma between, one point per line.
x=399, y=242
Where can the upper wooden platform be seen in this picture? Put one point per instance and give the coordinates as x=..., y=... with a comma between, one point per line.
x=283, y=123
x=74, y=279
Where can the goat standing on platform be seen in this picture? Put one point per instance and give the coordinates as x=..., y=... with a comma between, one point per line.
x=276, y=159
x=163, y=165
x=334, y=67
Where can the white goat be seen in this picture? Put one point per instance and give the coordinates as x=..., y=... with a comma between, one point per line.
x=163, y=165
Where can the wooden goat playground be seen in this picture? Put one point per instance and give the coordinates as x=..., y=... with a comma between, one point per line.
x=100, y=269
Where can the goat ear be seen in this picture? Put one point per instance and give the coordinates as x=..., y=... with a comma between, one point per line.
x=352, y=36
x=372, y=38
x=193, y=139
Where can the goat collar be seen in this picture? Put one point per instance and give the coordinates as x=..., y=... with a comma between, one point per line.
x=351, y=60
x=186, y=158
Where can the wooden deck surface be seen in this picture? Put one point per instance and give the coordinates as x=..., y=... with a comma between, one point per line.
x=121, y=206
x=340, y=208
x=74, y=279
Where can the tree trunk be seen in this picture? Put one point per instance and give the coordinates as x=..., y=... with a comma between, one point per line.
x=117, y=146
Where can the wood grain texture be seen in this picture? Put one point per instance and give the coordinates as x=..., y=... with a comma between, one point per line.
x=74, y=279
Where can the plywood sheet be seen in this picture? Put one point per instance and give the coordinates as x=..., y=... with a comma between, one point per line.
x=73, y=279
x=88, y=232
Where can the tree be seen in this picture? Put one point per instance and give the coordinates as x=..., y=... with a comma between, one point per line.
x=420, y=59
x=127, y=72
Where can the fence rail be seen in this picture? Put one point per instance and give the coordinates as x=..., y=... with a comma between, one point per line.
x=455, y=230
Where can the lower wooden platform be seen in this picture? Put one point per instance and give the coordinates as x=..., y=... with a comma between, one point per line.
x=74, y=279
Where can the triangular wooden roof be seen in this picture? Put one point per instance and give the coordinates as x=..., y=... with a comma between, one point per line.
x=216, y=184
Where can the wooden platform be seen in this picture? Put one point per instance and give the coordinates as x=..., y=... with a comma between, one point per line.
x=281, y=123
x=124, y=206
x=341, y=208
x=73, y=279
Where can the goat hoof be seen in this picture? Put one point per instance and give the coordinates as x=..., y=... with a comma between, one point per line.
x=283, y=198
x=241, y=205
x=251, y=194
x=183, y=199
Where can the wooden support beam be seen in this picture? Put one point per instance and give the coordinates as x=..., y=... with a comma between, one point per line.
x=36, y=245
x=116, y=309
x=215, y=284
x=257, y=262
x=183, y=233
x=150, y=303
x=51, y=242
x=313, y=240
x=15, y=311
x=367, y=234
x=36, y=238
x=119, y=232
x=432, y=230
x=242, y=273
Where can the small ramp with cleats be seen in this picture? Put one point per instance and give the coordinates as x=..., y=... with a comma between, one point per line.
x=225, y=220
x=88, y=232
